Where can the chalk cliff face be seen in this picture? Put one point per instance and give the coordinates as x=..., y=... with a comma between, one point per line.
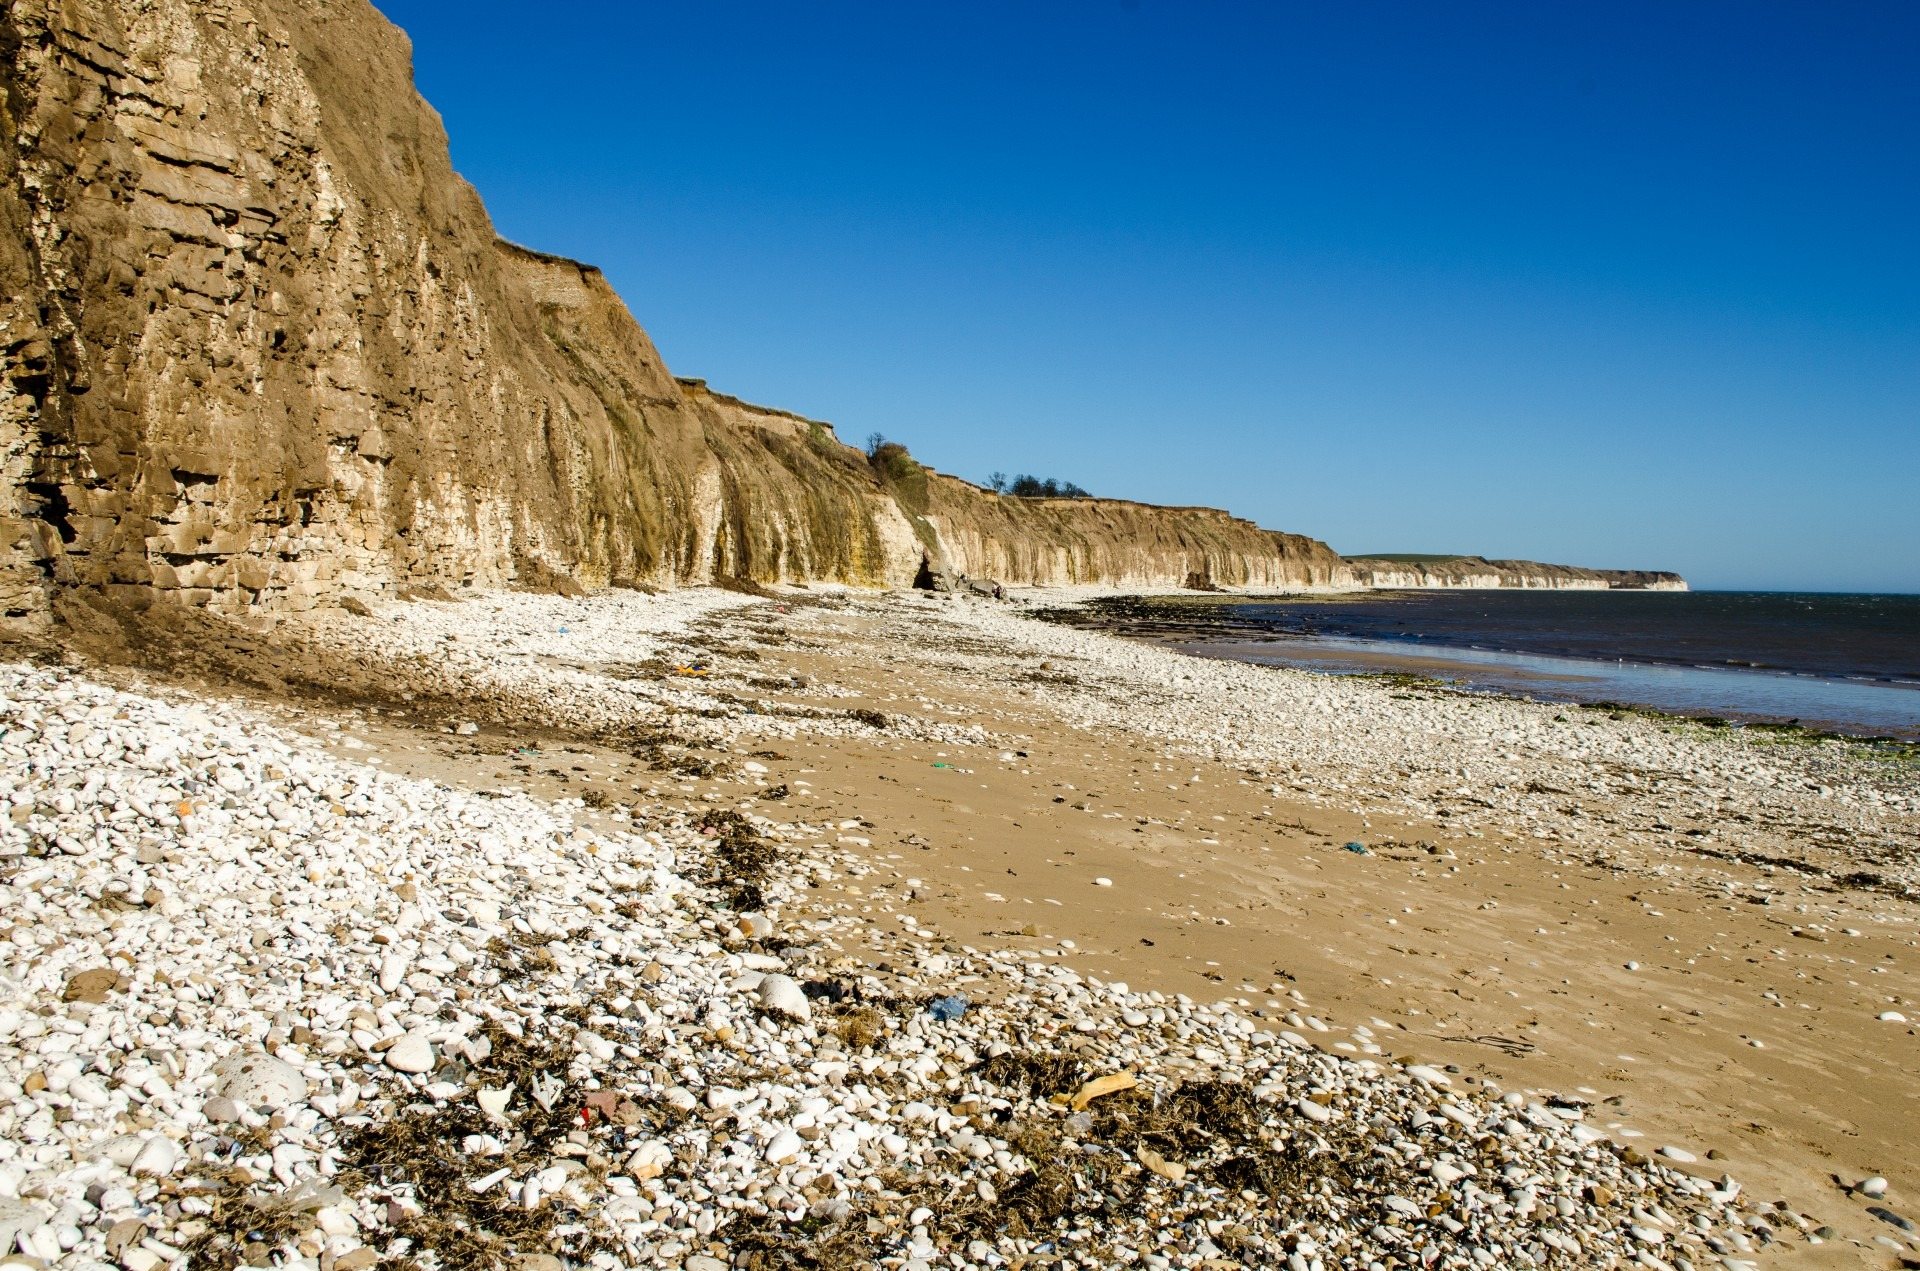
x=260, y=348
x=954, y=526
x=1477, y=571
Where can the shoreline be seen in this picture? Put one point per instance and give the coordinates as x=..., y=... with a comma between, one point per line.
x=1518, y=672
x=964, y=798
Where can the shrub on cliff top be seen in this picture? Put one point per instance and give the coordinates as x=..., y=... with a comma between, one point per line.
x=1028, y=487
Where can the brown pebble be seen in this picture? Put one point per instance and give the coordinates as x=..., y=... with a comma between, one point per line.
x=124, y=1234
x=92, y=985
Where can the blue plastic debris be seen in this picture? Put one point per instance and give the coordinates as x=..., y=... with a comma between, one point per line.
x=945, y=1008
x=1358, y=849
x=566, y=631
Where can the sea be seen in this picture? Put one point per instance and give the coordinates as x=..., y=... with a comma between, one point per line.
x=1846, y=664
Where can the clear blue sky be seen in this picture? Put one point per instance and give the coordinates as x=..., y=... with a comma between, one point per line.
x=1614, y=284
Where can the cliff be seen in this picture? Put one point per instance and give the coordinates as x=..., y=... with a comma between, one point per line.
x=1477, y=571
x=260, y=348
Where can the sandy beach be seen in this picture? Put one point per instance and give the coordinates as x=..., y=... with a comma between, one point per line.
x=1691, y=949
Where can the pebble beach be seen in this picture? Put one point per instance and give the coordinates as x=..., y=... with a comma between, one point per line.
x=839, y=929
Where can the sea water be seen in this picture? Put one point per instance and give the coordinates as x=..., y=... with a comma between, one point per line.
x=1849, y=663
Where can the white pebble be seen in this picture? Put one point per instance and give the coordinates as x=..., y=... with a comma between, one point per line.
x=413, y=1053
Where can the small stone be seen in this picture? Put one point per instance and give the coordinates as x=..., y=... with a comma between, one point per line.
x=156, y=1159
x=413, y=1053
x=18, y=1222
x=1875, y=1187
x=92, y=985
x=88, y=1091
x=783, y=1148
x=1892, y=1017
x=701, y=1262
x=781, y=995
x=355, y=1259
x=123, y=1235
x=256, y=1080
x=1103, y=882
x=650, y=1160
x=1679, y=1154
x=220, y=1110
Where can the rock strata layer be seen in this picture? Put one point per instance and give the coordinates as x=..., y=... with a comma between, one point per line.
x=1479, y=572
x=260, y=348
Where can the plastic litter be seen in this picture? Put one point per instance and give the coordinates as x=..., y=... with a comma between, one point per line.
x=945, y=1008
x=1358, y=849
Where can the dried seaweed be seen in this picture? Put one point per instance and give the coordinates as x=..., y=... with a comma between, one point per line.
x=744, y=858
x=858, y=1025
x=1040, y=1076
x=765, y=1243
x=242, y=1230
x=417, y=1161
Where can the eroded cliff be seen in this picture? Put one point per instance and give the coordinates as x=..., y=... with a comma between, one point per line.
x=1478, y=571
x=261, y=348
